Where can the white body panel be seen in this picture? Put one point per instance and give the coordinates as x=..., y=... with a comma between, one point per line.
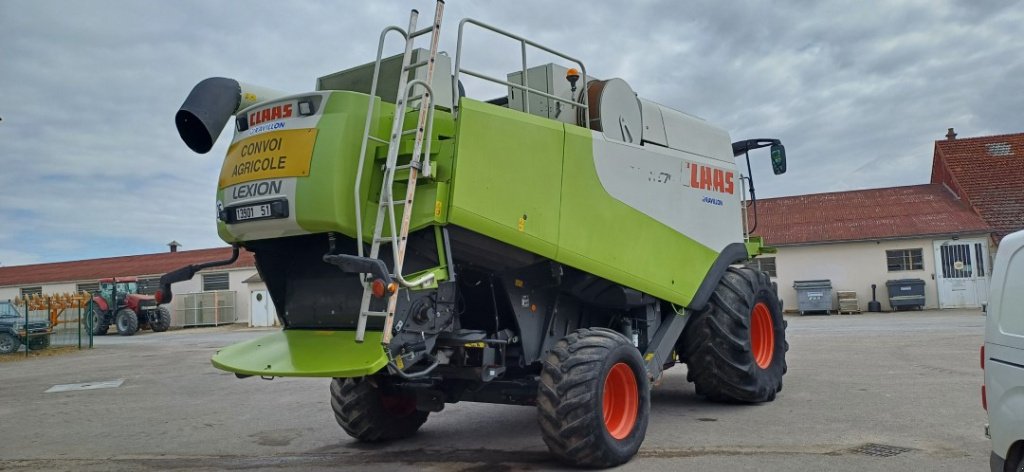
x=550, y=79
x=1004, y=346
x=660, y=182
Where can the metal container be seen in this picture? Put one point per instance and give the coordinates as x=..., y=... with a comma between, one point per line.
x=813, y=295
x=906, y=293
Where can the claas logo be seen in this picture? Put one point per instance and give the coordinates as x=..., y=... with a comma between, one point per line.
x=711, y=178
x=270, y=113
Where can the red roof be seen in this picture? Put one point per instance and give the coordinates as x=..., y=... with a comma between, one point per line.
x=883, y=213
x=124, y=266
x=988, y=172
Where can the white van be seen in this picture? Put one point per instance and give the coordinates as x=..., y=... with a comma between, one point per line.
x=1002, y=357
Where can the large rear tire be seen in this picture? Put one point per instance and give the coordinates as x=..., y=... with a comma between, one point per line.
x=594, y=399
x=99, y=320
x=368, y=412
x=127, y=322
x=162, y=321
x=735, y=349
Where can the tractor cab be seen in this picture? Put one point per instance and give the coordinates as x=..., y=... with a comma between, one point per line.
x=111, y=288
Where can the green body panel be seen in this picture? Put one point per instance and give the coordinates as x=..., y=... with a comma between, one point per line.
x=608, y=238
x=508, y=176
x=510, y=164
x=304, y=353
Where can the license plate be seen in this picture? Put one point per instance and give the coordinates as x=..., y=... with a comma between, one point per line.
x=253, y=212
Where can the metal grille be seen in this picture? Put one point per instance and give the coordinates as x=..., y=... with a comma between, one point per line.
x=218, y=281
x=149, y=285
x=880, y=450
x=956, y=261
x=31, y=290
x=205, y=309
x=90, y=287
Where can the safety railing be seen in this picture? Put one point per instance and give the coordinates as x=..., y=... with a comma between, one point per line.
x=583, y=105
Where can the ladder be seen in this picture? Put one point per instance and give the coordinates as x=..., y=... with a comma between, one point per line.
x=398, y=235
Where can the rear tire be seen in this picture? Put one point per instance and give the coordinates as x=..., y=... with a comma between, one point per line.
x=369, y=413
x=127, y=322
x=9, y=343
x=99, y=321
x=162, y=321
x=594, y=399
x=735, y=349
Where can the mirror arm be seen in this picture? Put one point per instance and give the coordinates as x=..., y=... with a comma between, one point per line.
x=753, y=194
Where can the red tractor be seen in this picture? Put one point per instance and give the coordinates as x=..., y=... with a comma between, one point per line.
x=119, y=303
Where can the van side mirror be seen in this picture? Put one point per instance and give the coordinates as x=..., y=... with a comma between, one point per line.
x=778, y=159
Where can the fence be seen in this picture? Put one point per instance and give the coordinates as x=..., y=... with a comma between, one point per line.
x=205, y=309
x=37, y=322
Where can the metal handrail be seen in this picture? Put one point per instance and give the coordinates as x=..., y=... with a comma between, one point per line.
x=366, y=133
x=523, y=42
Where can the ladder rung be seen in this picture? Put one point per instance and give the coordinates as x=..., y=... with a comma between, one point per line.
x=410, y=131
x=385, y=203
x=421, y=32
x=374, y=138
x=416, y=65
x=375, y=313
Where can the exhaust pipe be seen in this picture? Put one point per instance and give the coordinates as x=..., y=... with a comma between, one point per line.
x=209, y=106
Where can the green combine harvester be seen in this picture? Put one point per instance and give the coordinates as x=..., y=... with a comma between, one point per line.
x=558, y=247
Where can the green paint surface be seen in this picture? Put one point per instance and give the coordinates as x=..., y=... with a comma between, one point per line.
x=305, y=353
x=508, y=176
x=608, y=238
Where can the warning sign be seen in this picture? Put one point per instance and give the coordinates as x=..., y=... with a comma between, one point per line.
x=285, y=153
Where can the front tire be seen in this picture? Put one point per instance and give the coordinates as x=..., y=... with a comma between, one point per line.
x=162, y=321
x=40, y=342
x=735, y=349
x=127, y=322
x=9, y=343
x=367, y=411
x=594, y=399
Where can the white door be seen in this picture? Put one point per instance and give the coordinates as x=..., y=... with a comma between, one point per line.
x=961, y=273
x=261, y=309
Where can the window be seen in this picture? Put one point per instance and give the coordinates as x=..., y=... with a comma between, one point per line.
x=904, y=259
x=88, y=287
x=218, y=281
x=763, y=264
x=149, y=285
x=31, y=290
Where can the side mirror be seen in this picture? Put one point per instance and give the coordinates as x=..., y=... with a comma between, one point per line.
x=778, y=159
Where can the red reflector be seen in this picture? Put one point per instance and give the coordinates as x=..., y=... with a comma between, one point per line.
x=159, y=296
x=982, y=357
x=377, y=288
x=984, y=398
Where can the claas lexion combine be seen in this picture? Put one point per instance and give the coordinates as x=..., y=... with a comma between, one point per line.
x=558, y=247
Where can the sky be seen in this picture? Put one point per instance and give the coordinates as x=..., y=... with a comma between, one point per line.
x=92, y=165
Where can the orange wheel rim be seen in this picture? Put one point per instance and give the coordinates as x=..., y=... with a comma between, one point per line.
x=621, y=401
x=762, y=335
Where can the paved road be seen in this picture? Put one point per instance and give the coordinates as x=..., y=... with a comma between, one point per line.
x=908, y=380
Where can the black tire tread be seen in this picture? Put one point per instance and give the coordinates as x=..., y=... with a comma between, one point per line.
x=358, y=410
x=162, y=321
x=13, y=342
x=566, y=393
x=715, y=345
x=133, y=322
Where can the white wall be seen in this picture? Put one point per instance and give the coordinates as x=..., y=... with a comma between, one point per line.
x=853, y=266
